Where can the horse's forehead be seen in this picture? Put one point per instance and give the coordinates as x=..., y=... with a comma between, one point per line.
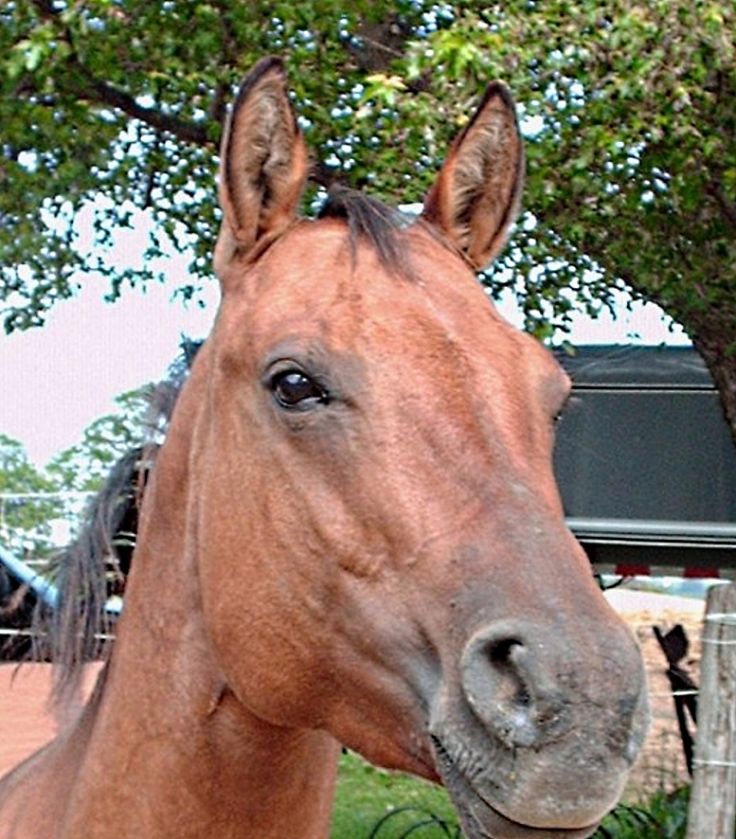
x=312, y=284
x=319, y=260
x=315, y=272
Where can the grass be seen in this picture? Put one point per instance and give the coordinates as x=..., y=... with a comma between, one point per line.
x=372, y=803
x=663, y=816
x=366, y=795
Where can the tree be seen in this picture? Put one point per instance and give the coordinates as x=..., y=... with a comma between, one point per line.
x=84, y=466
x=26, y=512
x=628, y=108
x=34, y=502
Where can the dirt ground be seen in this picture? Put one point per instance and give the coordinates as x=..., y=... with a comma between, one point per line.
x=26, y=724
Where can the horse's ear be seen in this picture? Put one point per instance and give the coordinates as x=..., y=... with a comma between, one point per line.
x=476, y=195
x=263, y=163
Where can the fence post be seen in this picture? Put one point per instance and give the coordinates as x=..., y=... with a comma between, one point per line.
x=712, y=812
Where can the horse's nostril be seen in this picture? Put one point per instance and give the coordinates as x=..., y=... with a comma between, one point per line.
x=506, y=656
x=501, y=651
x=523, y=697
x=499, y=681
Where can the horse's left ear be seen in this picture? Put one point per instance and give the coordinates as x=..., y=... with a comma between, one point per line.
x=263, y=164
x=476, y=195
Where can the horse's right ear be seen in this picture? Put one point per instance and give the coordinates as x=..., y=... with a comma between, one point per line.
x=263, y=164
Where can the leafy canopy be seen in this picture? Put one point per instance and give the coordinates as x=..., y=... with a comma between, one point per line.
x=84, y=466
x=26, y=508
x=628, y=107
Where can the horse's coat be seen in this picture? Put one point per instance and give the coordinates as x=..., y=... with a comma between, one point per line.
x=356, y=536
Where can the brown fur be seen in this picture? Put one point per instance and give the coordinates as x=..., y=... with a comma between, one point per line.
x=384, y=564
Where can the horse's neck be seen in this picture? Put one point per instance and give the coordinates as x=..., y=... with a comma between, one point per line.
x=170, y=751
x=178, y=762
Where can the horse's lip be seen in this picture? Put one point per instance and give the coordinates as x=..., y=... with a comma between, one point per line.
x=480, y=818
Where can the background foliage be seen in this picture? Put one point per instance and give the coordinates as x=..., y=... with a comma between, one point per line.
x=85, y=465
x=25, y=511
x=34, y=501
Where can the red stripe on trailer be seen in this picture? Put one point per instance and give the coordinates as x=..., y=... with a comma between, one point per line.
x=695, y=572
x=631, y=570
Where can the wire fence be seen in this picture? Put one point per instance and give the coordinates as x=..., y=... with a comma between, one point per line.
x=34, y=527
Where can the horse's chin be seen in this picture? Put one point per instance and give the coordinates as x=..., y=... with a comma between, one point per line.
x=483, y=820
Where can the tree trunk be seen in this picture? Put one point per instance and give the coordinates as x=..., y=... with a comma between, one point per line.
x=718, y=349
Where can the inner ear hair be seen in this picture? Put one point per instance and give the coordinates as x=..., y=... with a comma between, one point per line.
x=477, y=194
x=264, y=159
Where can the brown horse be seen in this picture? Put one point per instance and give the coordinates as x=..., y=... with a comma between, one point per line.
x=352, y=535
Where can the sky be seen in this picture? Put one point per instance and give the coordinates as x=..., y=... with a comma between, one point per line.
x=57, y=379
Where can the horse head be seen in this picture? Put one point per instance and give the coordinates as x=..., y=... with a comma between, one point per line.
x=381, y=545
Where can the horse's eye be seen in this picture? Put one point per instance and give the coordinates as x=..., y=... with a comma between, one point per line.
x=294, y=389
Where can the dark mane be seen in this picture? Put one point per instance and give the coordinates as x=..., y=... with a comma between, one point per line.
x=370, y=220
x=95, y=565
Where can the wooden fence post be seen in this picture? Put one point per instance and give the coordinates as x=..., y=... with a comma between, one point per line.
x=712, y=813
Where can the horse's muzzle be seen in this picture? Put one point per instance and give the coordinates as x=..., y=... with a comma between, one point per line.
x=480, y=820
x=538, y=734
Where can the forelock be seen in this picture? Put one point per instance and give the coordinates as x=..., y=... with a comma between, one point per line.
x=371, y=221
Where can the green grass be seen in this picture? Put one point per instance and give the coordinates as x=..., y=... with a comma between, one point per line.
x=366, y=794
x=663, y=816
x=372, y=803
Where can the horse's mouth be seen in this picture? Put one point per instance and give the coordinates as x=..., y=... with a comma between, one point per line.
x=481, y=819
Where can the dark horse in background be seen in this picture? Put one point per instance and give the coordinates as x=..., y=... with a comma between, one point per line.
x=351, y=535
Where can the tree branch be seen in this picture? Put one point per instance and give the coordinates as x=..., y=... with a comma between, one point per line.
x=218, y=106
x=97, y=90
x=715, y=190
x=106, y=94
x=379, y=44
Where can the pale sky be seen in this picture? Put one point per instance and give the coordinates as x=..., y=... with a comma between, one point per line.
x=57, y=379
